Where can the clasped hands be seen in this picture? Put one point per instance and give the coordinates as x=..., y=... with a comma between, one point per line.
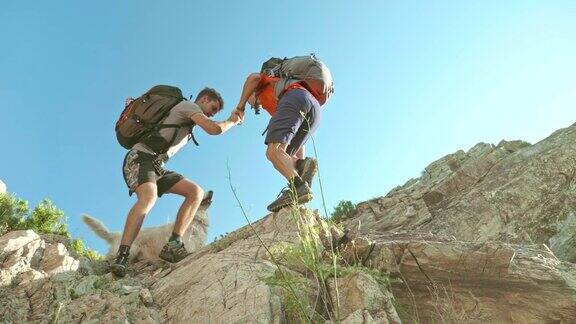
x=237, y=116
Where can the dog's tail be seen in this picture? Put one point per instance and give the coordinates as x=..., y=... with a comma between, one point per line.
x=98, y=228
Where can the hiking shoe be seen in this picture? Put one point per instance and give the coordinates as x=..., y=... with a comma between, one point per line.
x=173, y=252
x=303, y=195
x=120, y=264
x=307, y=169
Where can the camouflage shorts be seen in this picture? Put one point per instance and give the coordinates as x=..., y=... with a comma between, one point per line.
x=140, y=167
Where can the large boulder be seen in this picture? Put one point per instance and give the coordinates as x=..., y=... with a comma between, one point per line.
x=40, y=282
x=359, y=293
x=18, y=254
x=441, y=280
x=243, y=279
x=26, y=256
x=222, y=283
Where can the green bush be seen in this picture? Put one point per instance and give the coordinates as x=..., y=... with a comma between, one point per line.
x=13, y=211
x=45, y=218
x=80, y=248
x=343, y=210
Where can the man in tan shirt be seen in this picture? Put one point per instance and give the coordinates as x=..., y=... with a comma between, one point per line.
x=145, y=175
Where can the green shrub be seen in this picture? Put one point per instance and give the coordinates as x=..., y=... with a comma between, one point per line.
x=79, y=247
x=45, y=218
x=343, y=210
x=13, y=211
x=297, y=306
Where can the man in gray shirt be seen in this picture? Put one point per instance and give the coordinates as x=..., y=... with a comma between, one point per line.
x=145, y=175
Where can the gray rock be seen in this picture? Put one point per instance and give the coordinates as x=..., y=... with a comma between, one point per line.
x=442, y=280
x=466, y=242
x=56, y=259
x=15, y=240
x=360, y=317
x=46, y=286
x=86, y=286
x=228, y=276
x=360, y=294
x=512, y=192
x=126, y=290
x=146, y=297
x=19, y=250
x=564, y=241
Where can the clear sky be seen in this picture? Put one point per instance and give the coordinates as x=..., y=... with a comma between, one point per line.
x=415, y=80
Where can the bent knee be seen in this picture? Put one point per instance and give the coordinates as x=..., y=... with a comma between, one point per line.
x=195, y=193
x=148, y=199
x=147, y=193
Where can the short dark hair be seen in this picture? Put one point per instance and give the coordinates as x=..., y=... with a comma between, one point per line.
x=211, y=94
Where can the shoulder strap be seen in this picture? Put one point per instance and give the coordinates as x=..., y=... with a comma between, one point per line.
x=175, y=133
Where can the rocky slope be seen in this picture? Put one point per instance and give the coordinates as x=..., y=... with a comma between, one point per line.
x=484, y=236
x=511, y=192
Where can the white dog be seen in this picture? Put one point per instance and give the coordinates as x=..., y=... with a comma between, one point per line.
x=150, y=240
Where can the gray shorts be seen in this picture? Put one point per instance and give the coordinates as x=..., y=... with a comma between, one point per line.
x=297, y=117
x=140, y=167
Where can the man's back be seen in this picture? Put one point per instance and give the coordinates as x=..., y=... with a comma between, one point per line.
x=181, y=114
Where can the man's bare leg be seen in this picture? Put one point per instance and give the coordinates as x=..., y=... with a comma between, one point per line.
x=147, y=194
x=193, y=196
x=174, y=250
x=284, y=163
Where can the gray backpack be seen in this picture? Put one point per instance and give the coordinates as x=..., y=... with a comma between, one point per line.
x=301, y=68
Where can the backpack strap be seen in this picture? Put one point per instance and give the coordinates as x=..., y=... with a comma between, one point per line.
x=155, y=128
x=193, y=138
x=190, y=136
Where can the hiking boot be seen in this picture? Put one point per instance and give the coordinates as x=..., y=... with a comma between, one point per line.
x=120, y=264
x=303, y=195
x=307, y=169
x=173, y=252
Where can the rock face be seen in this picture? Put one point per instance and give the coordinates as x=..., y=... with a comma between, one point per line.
x=513, y=192
x=484, y=236
x=25, y=256
x=226, y=276
x=41, y=281
x=448, y=281
x=360, y=296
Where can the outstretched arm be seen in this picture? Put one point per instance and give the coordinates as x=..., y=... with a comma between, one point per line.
x=216, y=128
x=248, y=89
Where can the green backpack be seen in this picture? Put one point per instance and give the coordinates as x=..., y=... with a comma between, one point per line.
x=142, y=118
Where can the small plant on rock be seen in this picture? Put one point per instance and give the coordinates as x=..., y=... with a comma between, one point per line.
x=342, y=211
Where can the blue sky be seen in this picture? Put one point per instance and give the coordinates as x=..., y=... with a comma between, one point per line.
x=415, y=81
